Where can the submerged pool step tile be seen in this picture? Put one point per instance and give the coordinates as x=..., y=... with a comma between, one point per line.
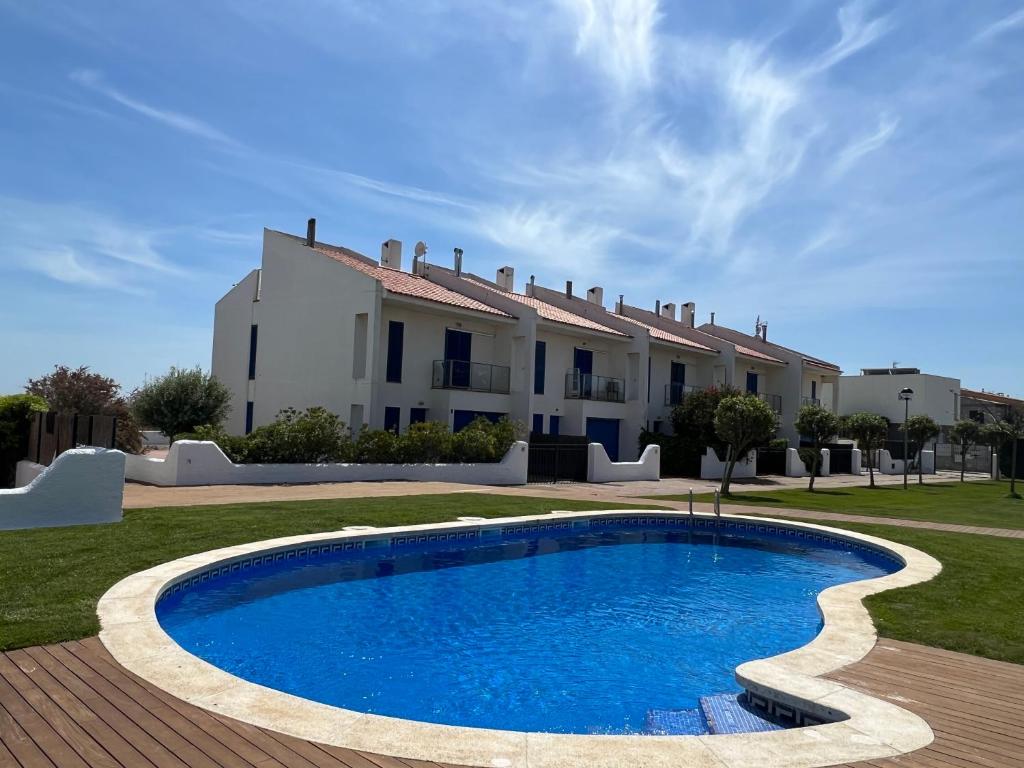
x=676, y=722
x=730, y=713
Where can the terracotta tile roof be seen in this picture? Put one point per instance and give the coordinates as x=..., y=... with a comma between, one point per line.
x=754, y=353
x=990, y=397
x=550, y=311
x=658, y=333
x=405, y=284
x=822, y=363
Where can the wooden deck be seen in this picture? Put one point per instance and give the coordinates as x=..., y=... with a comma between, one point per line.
x=72, y=705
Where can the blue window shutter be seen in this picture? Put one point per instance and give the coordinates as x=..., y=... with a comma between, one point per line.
x=392, y=416
x=253, y=332
x=538, y=423
x=554, y=424
x=248, y=415
x=539, y=365
x=417, y=415
x=396, y=340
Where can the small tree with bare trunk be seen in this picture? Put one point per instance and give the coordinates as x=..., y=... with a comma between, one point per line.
x=870, y=431
x=817, y=425
x=966, y=433
x=741, y=422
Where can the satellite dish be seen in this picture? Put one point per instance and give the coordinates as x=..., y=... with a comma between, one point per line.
x=421, y=249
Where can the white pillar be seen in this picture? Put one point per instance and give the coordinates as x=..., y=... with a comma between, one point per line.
x=855, y=461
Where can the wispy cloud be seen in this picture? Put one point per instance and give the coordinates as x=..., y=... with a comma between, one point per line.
x=94, y=80
x=856, y=31
x=855, y=150
x=1006, y=24
x=618, y=36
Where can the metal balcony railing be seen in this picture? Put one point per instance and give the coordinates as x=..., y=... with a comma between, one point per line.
x=810, y=401
x=587, y=386
x=475, y=377
x=774, y=401
x=675, y=394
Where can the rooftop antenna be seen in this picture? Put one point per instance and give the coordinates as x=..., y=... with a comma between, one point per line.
x=895, y=365
x=419, y=252
x=757, y=326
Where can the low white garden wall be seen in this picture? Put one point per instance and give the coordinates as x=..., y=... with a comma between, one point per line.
x=795, y=466
x=195, y=462
x=855, y=461
x=25, y=472
x=601, y=469
x=887, y=465
x=711, y=468
x=83, y=485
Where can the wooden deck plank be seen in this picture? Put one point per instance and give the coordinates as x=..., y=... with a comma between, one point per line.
x=72, y=704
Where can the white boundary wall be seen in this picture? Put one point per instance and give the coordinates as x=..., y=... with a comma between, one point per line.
x=195, y=462
x=82, y=486
x=795, y=466
x=855, y=462
x=26, y=472
x=601, y=469
x=711, y=468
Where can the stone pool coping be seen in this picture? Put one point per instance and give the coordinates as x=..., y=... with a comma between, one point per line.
x=873, y=728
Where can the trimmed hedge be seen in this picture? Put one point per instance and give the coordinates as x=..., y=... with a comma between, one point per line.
x=316, y=436
x=15, y=417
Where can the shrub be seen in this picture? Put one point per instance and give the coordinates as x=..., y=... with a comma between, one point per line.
x=81, y=391
x=15, y=417
x=235, y=448
x=180, y=401
x=779, y=443
x=693, y=425
x=300, y=437
x=377, y=446
x=428, y=442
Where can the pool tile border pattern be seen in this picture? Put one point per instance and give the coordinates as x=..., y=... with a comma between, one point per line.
x=855, y=726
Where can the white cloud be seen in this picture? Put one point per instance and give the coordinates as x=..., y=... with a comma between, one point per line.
x=1004, y=25
x=618, y=36
x=94, y=80
x=856, y=31
x=858, y=148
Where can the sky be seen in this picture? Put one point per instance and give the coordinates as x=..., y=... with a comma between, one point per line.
x=853, y=174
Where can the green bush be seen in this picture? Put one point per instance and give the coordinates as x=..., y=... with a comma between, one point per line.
x=235, y=448
x=377, y=446
x=15, y=417
x=779, y=443
x=428, y=442
x=300, y=437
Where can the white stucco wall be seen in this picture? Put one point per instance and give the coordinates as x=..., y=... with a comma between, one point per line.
x=233, y=318
x=601, y=469
x=82, y=486
x=713, y=469
x=795, y=466
x=193, y=462
x=880, y=394
x=25, y=472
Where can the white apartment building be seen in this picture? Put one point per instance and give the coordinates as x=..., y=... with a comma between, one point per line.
x=319, y=324
x=876, y=390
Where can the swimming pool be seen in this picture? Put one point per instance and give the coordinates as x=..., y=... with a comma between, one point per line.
x=581, y=626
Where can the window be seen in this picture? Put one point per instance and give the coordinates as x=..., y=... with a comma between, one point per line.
x=417, y=415
x=814, y=390
x=396, y=338
x=539, y=365
x=252, y=351
x=392, y=415
x=248, y=415
x=538, y=423
x=648, y=379
x=553, y=429
x=752, y=382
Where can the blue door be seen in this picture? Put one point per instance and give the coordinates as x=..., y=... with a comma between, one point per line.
x=605, y=432
x=677, y=380
x=462, y=419
x=583, y=362
x=538, y=423
x=458, y=347
x=752, y=382
x=553, y=429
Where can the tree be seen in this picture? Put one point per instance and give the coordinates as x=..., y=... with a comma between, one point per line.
x=817, y=425
x=870, y=431
x=693, y=427
x=742, y=421
x=182, y=400
x=920, y=429
x=79, y=390
x=1009, y=429
x=965, y=433
x=16, y=413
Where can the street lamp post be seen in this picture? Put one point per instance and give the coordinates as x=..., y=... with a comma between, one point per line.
x=906, y=395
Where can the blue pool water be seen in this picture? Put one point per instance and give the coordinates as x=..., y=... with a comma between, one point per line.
x=551, y=632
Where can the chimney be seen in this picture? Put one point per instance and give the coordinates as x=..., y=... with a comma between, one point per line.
x=310, y=233
x=458, y=262
x=712, y=318
x=689, y=310
x=391, y=254
x=505, y=278
x=619, y=306
x=529, y=287
x=668, y=309
x=596, y=295
x=568, y=289
x=657, y=307
x=764, y=331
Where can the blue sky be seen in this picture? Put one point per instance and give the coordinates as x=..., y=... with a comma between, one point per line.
x=851, y=173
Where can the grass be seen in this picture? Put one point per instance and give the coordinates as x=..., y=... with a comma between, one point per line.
x=51, y=578
x=974, y=503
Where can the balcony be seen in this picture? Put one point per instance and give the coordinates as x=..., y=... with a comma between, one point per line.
x=774, y=401
x=473, y=377
x=587, y=386
x=810, y=401
x=675, y=394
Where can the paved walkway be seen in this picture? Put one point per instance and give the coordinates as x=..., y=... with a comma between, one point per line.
x=73, y=705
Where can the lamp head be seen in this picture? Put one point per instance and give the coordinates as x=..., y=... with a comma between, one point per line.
x=906, y=394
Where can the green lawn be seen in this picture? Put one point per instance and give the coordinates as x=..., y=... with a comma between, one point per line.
x=975, y=503
x=51, y=578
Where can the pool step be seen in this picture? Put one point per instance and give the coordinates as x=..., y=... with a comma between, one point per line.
x=718, y=714
x=730, y=713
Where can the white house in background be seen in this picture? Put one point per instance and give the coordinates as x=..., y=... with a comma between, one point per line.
x=876, y=390
x=784, y=378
